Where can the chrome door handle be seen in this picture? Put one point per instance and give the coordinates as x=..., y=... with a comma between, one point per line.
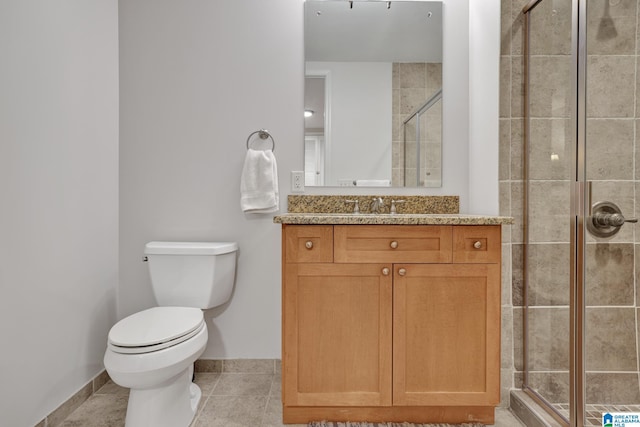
x=606, y=219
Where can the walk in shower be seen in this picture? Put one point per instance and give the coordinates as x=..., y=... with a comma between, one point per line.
x=581, y=179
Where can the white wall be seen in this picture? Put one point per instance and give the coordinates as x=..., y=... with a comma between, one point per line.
x=197, y=77
x=59, y=199
x=360, y=143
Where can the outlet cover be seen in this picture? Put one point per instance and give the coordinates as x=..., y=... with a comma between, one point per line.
x=297, y=181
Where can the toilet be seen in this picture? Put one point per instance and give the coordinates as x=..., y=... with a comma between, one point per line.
x=152, y=352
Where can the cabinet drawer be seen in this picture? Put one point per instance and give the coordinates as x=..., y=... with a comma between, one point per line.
x=476, y=244
x=394, y=243
x=308, y=243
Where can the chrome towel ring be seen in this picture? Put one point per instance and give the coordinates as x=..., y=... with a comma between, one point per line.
x=263, y=134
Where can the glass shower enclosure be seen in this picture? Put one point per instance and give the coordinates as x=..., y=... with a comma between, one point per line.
x=581, y=175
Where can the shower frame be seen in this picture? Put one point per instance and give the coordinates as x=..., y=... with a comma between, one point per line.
x=579, y=210
x=417, y=113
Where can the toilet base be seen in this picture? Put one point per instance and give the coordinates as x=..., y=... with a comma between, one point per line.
x=171, y=404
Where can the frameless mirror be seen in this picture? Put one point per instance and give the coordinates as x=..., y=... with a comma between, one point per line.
x=373, y=90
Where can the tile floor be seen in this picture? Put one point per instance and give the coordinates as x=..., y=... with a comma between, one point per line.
x=228, y=400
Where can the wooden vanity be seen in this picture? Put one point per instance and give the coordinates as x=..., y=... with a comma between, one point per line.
x=390, y=322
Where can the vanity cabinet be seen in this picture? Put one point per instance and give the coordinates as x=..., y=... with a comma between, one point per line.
x=391, y=323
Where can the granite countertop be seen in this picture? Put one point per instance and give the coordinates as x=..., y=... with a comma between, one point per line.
x=397, y=219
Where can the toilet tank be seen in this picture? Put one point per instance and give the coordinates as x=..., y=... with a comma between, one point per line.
x=192, y=274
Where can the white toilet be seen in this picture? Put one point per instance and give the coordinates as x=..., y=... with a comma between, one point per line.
x=152, y=352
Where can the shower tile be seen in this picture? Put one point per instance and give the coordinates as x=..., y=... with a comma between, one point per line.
x=410, y=99
x=609, y=147
x=517, y=279
x=605, y=388
x=622, y=194
x=612, y=27
x=504, y=164
x=550, y=150
x=506, y=275
x=517, y=86
x=433, y=77
x=518, y=338
x=412, y=75
x=550, y=84
x=506, y=384
x=506, y=359
x=548, y=338
x=610, y=275
x=609, y=79
x=505, y=207
x=518, y=379
x=611, y=339
x=549, y=211
x=548, y=266
x=505, y=86
x=517, y=189
x=551, y=29
x=505, y=27
x=395, y=75
x=517, y=26
x=517, y=149
x=637, y=274
x=553, y=386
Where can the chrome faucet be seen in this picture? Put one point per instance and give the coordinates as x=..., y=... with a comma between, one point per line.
x=377, y=204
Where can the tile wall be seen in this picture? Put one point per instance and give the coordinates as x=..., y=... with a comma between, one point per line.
x=413, y=84
x=612, y=165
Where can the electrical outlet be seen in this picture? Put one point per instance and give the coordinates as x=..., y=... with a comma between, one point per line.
x=297, y=181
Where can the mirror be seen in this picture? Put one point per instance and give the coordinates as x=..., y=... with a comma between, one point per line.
x=373, y=93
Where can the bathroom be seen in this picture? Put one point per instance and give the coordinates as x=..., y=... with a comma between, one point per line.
x=127, y=123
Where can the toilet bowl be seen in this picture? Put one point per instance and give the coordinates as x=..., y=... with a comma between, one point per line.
x=152, y=352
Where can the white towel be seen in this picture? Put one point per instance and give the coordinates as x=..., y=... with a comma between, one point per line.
x=259, y=182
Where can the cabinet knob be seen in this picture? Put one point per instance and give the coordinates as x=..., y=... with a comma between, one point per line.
x=477, y=244
x=309, y=244
x=385, y=271
x=393, y=244
x=402, y=271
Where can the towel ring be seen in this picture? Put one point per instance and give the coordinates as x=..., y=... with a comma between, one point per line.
x=263, y=134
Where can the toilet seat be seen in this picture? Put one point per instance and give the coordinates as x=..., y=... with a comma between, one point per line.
x=155, y=329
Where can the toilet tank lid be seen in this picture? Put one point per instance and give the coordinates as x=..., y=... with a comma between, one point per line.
x=190, y=248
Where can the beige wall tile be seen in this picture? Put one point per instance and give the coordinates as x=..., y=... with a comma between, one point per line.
x=612, y=388
x=518, y=338
x=549, y=211
x=550, y=86
x=611, y=27
x=550, y=150
x=609, y=79
x=610, y=274
x=505, y=86
x=611, y=339
x=553, y=386
x=517, y=278
x=548, y=266
x=548, y=338
x=610, y=143
x=517, y=149
x=504, y=164
x=622, y=194
x=551, y=28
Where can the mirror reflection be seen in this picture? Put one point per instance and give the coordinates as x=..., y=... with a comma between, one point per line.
x=373, y=98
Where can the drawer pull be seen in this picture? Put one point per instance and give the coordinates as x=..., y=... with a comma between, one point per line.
x=477, y=244
x=393, y=244
x=385, y=271
x=402, y=271
x=309, y=244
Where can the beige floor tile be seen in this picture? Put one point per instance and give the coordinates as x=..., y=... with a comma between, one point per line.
x=112, y=388
x=243, y=385
x=100, y=410
x=207, y=382
x=232, y=411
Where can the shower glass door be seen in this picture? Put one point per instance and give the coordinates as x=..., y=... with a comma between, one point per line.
x=549, y=159
x=581, y=173
x=611, y=168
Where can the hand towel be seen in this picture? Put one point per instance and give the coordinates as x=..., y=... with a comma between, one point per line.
x=259, y=182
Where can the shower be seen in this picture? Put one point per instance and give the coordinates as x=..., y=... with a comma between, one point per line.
x=580, y=181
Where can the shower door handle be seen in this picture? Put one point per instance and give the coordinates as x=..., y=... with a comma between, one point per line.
x=606, y=219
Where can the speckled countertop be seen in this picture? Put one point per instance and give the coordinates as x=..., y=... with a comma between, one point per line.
x=415, y=210
x=397, y=219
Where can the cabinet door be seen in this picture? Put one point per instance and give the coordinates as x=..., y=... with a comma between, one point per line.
x=337, y=335
x=446, y=334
